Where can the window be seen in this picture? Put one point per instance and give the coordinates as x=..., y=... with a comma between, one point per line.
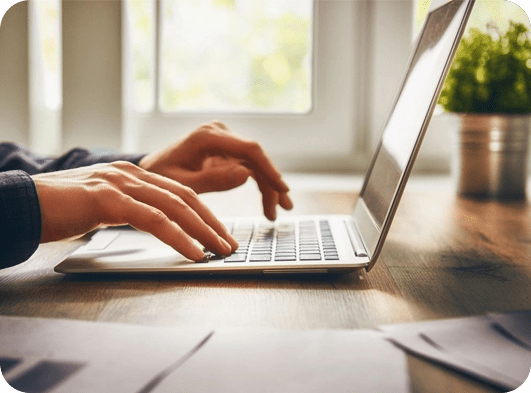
x=252, y=64
x=228, y=55
x=141, y=23
x=48, y=54
x=499, y=12
x=223, y=55
x=45, y=76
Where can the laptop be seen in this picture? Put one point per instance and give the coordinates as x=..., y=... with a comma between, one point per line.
x=313, y=244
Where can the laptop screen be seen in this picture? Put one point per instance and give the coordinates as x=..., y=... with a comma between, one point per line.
x=403, y=132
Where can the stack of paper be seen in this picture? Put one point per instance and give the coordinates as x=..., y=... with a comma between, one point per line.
x=495, y=348
x=62, y=356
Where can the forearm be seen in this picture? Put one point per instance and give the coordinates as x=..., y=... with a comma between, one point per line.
x=16, y=157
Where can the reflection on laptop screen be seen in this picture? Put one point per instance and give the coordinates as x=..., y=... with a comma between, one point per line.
x=411, y=110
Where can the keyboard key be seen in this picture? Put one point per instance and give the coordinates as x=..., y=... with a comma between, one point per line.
x=310, y=250
x=260, y=258
x=261, y=251
x=236, y=258
x=330, y=253
x=309, y=257
x=285, y=259
x=286, y=248
x=292, y=251
x=293, y=255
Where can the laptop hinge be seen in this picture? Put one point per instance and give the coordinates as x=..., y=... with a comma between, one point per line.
x=355, y=239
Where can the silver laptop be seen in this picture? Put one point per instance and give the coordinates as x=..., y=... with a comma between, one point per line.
x=313, y=244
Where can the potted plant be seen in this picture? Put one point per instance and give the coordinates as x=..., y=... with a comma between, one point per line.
x=489, y=87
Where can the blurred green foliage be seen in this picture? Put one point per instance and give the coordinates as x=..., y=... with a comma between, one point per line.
x=224, y=55
x=252, y=56
x=283, y=72
x=491, y=73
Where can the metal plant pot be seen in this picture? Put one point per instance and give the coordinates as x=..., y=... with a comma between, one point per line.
x=492, y=159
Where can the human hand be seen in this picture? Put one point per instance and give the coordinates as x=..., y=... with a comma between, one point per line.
x=76, y=201
x=214, y=158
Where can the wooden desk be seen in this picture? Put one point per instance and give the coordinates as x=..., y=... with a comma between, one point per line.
x=445, y=257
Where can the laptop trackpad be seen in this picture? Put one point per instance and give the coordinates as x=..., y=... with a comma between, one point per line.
x=123, y=250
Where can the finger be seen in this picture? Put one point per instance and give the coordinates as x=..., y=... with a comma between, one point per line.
x=221, y=178
x=250, y=151
x=221, y=125
x=269, y=198
x=191, y=199
x=149, y=219
x=177, y=210
x=285, y=201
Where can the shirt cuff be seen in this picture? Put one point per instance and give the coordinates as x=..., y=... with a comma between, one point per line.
x=20, y=218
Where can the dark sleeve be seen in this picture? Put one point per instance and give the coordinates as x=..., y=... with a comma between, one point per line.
x=20, y=218
x=16, y=157
x=20, y=215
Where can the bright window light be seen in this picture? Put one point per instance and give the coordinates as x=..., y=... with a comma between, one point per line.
x=499, y=12
x=141, y=34
x=48, y=59
x=221, y=55
x=236, y=56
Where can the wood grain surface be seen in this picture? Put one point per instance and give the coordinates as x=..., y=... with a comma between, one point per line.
x=445, y=257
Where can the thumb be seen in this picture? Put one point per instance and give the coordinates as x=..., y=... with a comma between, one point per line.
x=219, y=178
x=238, y=176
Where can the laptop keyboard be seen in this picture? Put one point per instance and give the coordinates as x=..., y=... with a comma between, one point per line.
x=281, y=242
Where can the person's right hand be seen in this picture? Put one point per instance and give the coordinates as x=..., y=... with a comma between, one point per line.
x=76, y=201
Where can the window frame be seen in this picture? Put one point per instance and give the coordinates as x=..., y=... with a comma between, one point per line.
x=323, y=138
x=380, y=31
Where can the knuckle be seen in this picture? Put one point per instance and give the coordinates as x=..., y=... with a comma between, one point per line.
x=179, y=202
x=208, y=128
x=108, y=191
x=109, y=174
x=110, y=202
x=188, y=194
x=219, y=124
x=255, y=148
x=124, y=165
x=157, y=217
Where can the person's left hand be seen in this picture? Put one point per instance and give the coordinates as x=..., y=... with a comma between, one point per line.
x=213, y=158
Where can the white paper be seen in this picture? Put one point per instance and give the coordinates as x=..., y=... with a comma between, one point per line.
x=477, y=342
x=292, y=361
x=517, y=324
x=471, y=345
x=111, y=357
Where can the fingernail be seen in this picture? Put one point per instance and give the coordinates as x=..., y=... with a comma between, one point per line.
x=225, y=246
x=290, y=203
x=199, y=254
x=233, y=243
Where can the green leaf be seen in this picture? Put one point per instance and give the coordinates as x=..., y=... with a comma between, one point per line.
x=491, y=72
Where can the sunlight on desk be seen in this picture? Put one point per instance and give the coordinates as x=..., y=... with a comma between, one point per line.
x=445, y=257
